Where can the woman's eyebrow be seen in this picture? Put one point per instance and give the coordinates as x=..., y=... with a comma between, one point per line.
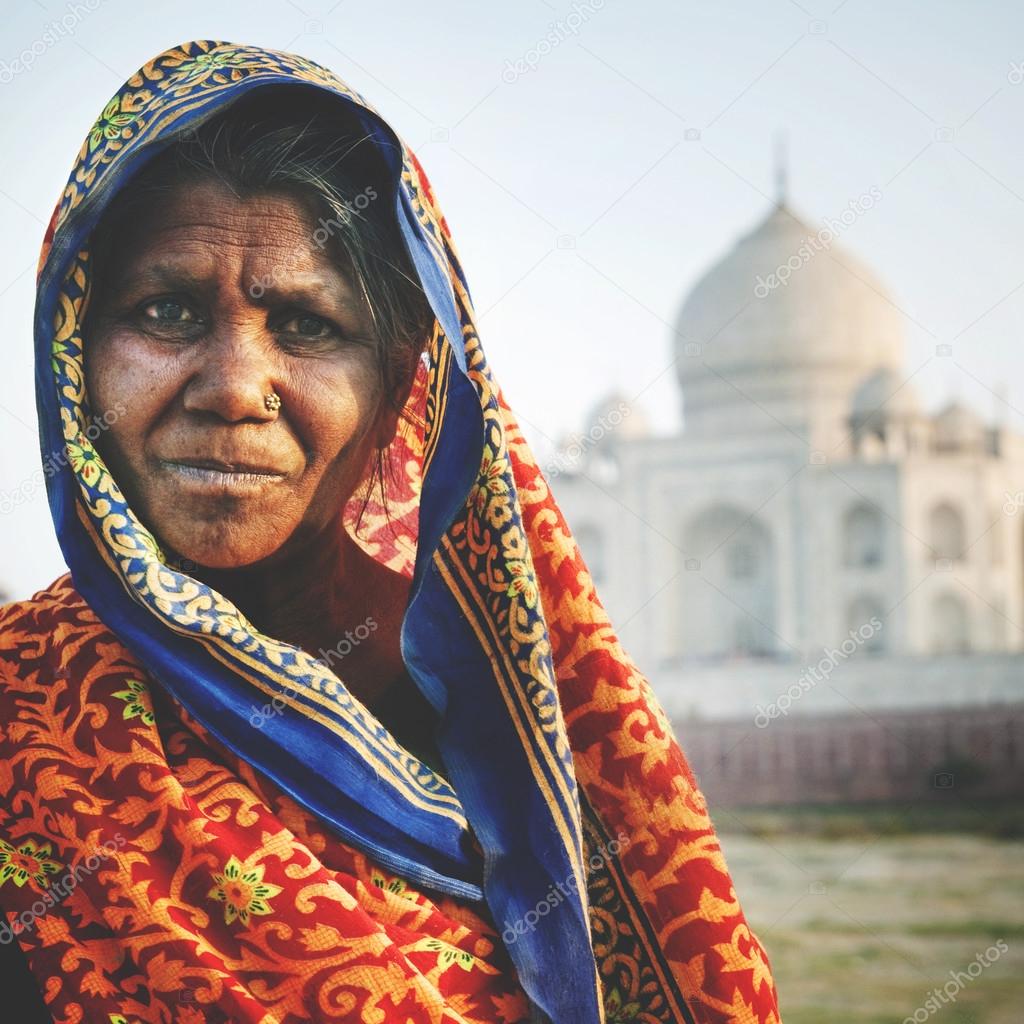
x=285, y=285
x=163, y=275
x=331, y=288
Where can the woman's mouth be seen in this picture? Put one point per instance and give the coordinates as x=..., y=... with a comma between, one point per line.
x=214, y=476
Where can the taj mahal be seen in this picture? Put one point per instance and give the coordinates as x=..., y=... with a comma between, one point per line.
x=812, y=536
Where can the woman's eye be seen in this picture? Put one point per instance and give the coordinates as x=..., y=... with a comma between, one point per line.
x=169, y=311
x=308, y=326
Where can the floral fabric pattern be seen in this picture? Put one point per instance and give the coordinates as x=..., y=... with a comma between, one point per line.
x=224, y=900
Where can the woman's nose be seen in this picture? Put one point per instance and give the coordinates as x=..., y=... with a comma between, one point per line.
x=236, y=372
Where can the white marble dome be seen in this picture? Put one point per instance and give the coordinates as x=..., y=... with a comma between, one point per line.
x=755, y=353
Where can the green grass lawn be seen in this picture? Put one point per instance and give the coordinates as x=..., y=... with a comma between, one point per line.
x=863, y=919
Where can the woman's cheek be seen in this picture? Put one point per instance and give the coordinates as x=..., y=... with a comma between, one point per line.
x=122, y=377
x=117, y=370
x=336, y=413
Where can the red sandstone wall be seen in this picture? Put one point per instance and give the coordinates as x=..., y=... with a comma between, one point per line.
x=862, y=756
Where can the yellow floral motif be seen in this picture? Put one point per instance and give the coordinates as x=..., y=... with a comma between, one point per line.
x=617, y=1010
x=138, y=703
x=522, y=582
x=25, y=861
x=84, y=462
x=218, y=66
x=447, y=954
x=111, y=123
x=242, y=891
x=491, y=480
x=395, y=886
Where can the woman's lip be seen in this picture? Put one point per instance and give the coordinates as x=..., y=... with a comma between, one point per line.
x=225, y=467
x=207, y=475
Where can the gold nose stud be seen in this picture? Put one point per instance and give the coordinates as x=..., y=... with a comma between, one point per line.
x=272, y=401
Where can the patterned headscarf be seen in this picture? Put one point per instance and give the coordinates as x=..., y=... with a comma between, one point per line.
x=565, y=803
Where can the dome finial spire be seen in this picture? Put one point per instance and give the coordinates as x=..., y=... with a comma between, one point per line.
x=781, y=169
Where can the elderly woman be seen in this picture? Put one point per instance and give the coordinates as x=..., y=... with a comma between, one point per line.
x=326, y=722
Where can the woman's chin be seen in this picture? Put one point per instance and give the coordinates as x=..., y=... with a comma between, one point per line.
x=221, y=553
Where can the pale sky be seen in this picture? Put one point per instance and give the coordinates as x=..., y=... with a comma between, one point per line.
x=588, y=194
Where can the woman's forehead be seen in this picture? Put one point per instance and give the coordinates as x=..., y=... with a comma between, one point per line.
x=204, y=229
x=204, y=200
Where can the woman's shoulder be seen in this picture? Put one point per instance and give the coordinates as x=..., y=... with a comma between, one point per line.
x=59, y=663
x=59, y=602
x=35, y=630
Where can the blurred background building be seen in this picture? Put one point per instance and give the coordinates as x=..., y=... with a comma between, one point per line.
x=838, y=577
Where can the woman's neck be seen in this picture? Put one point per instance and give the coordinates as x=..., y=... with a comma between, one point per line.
x=332, y=599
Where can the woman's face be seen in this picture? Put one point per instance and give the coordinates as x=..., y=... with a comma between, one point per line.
x=210, y=304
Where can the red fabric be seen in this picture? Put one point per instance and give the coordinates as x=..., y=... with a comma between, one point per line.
x=202, y=893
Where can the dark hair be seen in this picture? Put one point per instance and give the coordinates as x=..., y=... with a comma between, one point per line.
x=307, y=144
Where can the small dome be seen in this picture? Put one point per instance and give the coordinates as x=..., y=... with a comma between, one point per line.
x=615, y=416
x=885, y=395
